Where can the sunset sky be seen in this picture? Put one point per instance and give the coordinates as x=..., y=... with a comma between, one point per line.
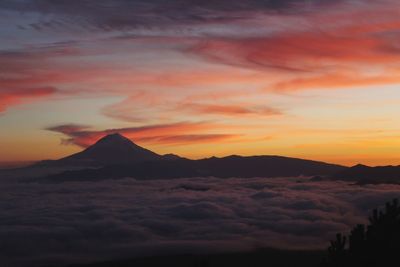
x=316, y=79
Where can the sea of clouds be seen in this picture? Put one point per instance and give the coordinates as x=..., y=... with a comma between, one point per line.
x=92, y=221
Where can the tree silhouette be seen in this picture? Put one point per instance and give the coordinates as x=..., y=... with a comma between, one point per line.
x=376, y=245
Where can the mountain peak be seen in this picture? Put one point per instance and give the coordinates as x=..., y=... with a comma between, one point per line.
x=113, y=149
x=360, y=166
x=115, y=135
x=113, y=139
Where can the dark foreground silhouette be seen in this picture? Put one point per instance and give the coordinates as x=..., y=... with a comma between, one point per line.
x=261, y=258
x=377, y=244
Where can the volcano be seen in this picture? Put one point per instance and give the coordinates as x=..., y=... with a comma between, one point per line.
x=111, y=149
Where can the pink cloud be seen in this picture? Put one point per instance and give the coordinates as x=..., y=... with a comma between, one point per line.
x=19, y=96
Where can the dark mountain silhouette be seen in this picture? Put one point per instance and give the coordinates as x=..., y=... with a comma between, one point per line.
x=263, y=166
x=115, y=156
x=111, y=149
x=363, y=174
x=232, y=166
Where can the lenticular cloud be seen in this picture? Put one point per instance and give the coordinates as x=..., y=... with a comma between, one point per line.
x=91, y=221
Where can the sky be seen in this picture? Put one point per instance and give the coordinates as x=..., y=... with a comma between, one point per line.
x=316, y=79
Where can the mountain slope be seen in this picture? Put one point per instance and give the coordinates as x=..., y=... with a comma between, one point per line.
x=109, y=150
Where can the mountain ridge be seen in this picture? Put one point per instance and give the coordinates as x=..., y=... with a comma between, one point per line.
x=363, y=174
x=115, y=156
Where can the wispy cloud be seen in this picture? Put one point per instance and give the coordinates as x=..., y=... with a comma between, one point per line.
x=188, y=138
x=326, y=50
x=19, y=96
x=174, y=133
x=230, y=110
x=107, y=15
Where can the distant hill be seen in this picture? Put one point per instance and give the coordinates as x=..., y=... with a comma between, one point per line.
x=363, y=174
x=264, y=166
